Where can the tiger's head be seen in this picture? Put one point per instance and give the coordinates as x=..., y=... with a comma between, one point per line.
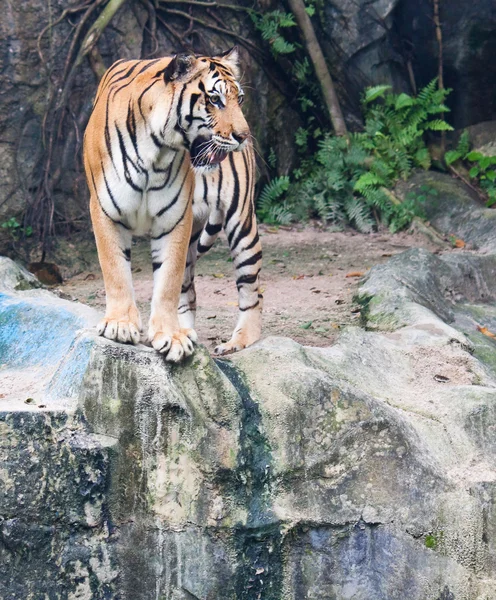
x=209, y=116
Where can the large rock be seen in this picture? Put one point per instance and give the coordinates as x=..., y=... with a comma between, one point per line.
x=363, y=470
x=369, y=42
x=468, y=30
x=356, y=37
x=454, y=209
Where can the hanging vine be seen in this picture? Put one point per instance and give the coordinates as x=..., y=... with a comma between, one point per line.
x=40, y=212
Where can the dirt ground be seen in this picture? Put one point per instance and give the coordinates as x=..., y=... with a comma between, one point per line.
x=309, y=277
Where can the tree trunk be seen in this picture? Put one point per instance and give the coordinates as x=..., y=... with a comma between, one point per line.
x=320, y=66
x=440, y=75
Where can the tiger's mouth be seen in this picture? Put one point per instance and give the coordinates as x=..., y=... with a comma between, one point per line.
x=206, y=153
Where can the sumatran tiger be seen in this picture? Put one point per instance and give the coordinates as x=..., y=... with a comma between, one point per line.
x=167, y=151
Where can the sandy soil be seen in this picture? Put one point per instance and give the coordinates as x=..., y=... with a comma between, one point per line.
x=309, y=277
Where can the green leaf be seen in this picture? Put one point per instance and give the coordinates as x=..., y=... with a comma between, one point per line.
x=474, y=156
x=12, y=223
x=485, y=162
x=310, y=10
x=440, y=108
x=372, y=93
x=452, y=156
x=474, y=171
x=286, y=20
x=306, y=325
x=301, y=70
x=491, y=175
x=402, y=101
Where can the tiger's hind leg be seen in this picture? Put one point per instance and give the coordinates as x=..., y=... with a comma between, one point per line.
x=122, y=321
x=202, y=239
x=246, y=252
x=186, y=311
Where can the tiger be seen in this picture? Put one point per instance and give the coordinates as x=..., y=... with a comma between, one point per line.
x=168, y=152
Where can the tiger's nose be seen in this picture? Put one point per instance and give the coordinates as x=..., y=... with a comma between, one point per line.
x=240, y=137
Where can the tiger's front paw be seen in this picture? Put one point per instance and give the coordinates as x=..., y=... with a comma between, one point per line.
x=125, y=328
x=175, y=346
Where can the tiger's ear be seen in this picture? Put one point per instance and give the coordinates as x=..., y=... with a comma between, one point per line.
x=180, y=67
x=231, y=59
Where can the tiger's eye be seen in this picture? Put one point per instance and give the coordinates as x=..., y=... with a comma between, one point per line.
x=241, y=99
x=215, y=99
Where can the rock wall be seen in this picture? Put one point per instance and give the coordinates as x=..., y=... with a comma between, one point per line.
x=373, y=42
x=27, y=82
x=363, y=470
x=469, y=44
x=366, y=42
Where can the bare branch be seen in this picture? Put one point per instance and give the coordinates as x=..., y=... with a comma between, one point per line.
x=50, y=26
x=243, y=41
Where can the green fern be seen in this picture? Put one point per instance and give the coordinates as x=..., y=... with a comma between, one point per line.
x=368, y=180
x=422, y=158
x=270, y=25
x=281, y=46
x=461, y=150
x=270, y=209
x=302, y=69
x=438, y=125
x=345, y=181
x=358, y=213
x=481, y=171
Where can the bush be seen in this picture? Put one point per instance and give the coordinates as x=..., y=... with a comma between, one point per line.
x=345, y=181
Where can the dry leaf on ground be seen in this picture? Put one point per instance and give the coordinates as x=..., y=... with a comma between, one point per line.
x=485, y=331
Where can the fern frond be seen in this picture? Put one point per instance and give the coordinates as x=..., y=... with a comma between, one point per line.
x=270, y=195
x=281, y=46
x=464, y=143
x=427, y=92
x=359, y=214
x=438, y=108
x=279, y=215
x=438, y=125
x=368, y=180
x=423, y=158
x=372, y=93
